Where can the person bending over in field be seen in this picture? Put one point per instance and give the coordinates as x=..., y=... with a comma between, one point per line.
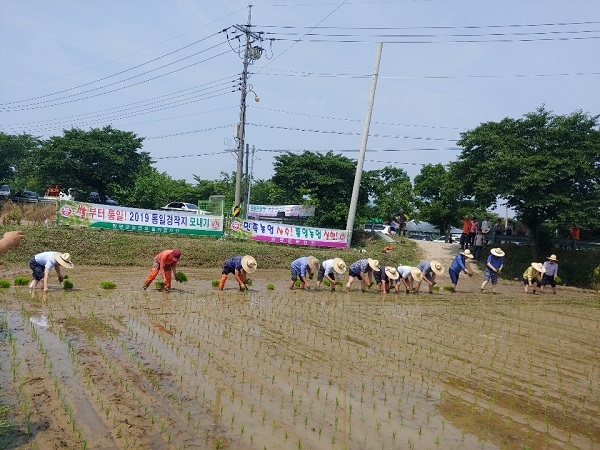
x=303, y=268
x=42, y=263
x=164, y=262
x=239, y=266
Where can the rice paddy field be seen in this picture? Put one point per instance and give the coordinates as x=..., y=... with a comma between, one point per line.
x=94, y=368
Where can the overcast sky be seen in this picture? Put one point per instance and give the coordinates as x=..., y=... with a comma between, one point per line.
x=169, y=71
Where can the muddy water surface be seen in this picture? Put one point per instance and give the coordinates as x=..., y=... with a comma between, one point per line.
x=198, y=368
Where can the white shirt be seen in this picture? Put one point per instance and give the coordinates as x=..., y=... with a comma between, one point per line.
x=46, y=259
x=328, y=266
x=404, y=271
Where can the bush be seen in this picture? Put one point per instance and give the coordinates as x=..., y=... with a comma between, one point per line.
x=67, y=284
x=107, y=285
x=21, y=281
x=4, y=284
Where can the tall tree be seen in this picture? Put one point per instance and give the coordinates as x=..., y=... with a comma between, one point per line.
x=390, y=189
x=322, y=180
x=15, y=159
x=546, y=167
x=439, y=198
x=98, y=159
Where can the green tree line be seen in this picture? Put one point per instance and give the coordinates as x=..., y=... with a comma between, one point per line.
x=545, y=167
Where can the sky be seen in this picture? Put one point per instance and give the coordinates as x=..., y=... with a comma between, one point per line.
x=169, y=71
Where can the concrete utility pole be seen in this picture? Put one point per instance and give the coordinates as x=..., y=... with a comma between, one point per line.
x=251, y=54
x=363, y=148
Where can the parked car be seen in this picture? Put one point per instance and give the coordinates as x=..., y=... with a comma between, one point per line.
x=25, y=197
x=4, y=192
x=420, y=237
x=94, y=197
x=184, y=207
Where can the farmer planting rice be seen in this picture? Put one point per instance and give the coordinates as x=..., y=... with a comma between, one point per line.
x=42, y=263
x=495, y=263
x=551, y=266
x=429, y=269
x=303, y=268
x=385, y=277
x=533, y=274
x=362, y=269
x=164, y=262
x=330, y=269
x=239, y=266
x=459, y=265
x=408, y=276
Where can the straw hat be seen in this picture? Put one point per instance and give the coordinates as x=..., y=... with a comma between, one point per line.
x=339, y=266
x=497, y=252
x=437, y=267
x=313, y=263
x=552, y=258
x=64, y=259
x=391, y=273
x=467, y=253
x=416, y=273
x=248, y=264
x=538, y=266
x=373, y=263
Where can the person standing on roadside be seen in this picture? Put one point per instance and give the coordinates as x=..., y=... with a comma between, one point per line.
x=459, y=265
x=473, y=231
x=494, y=265
x=164, y=263
x=239, y=266
x=303, y=268
x=11, y=239
x=478, y=244
x=574, y=232
x=466, y=229
x=551, y=266
x=401, y=220
x=498, y=230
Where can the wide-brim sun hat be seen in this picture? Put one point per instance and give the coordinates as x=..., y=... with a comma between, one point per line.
x=538, y=266
x=248, y=263
x=391, y=273
x=313, y=263
x=339, y=266
x=437, y=267
x=467, y=254
x=416, y=273
x=64, y=259
x=552, y=258
x=497, y=252
x=373, y=264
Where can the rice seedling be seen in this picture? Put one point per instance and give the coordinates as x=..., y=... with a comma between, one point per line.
x=215, y=283
x=181, y=277
x=4, y=284
x=160, y=285
x=108, y=285
x=21, y=281
x=67, y=284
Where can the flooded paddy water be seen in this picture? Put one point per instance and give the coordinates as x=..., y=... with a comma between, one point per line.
x=279, y=369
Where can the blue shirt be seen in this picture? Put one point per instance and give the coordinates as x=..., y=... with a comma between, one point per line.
x=380, y=275
x=495, y=261
x=458, y=265
x=299, y=265
x=232, y=264
x=425, y=267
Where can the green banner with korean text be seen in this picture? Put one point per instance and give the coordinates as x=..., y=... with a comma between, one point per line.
x=132, y=219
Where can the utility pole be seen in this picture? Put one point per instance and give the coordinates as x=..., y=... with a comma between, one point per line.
x=363, y=148
x=251, y=54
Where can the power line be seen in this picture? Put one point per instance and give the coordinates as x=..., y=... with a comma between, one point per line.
x=458, y=27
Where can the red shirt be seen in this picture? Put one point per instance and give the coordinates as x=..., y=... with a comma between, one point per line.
x=165, y=258
x=575, y=233
x=466, y=226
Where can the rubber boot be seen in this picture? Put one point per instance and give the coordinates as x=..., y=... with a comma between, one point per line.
x=151, y=277
x=222, y=281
